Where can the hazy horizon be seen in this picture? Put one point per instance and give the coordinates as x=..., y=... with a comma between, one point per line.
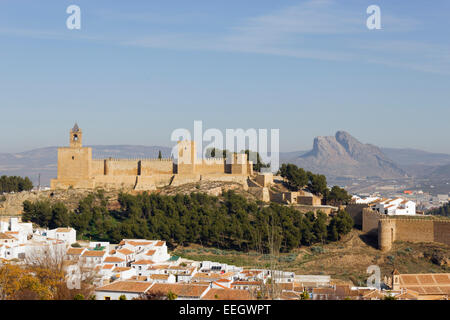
x=172, y=144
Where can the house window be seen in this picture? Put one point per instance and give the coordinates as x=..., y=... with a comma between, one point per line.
x=107, y=298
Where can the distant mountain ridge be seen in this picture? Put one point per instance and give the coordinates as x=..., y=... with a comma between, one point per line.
x=407, y=157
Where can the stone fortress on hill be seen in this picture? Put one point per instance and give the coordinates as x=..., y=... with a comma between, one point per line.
x=77, y=169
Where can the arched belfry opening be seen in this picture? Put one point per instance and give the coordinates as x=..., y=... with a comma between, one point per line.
x=75, y=137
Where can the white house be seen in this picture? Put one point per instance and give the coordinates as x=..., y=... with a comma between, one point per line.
x=155, y=251
x=126, y=254
x=123, y=273
x=182, y=274
x=162, y=278
x=359, y=200
x=74, y=254
x=68, y=235
x=129, y=289
x=141, y=267
x=209, y=266
x=115, y=261
x=92, y=257
x=397, y=206
x=14, y=225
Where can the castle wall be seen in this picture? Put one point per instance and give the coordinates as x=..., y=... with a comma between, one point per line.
x=121, y=167
x=250, y=168
x=417, y=229
x=115, y=182
x=355, y=211
x=77, y=169
x=210, y=166
x=413, y=230
x=442, y=232
x=264, y=180
x=98, y=167
x=370, y=220
x=72, y=183
x=238, y=169
x=309, y=200
x=156, y=166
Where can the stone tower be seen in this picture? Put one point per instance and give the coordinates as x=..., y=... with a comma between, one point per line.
x=74, y=163
x=76, y=136
x=386, y=234
x=187, y=157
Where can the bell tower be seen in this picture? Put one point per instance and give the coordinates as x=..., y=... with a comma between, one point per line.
x=74, y=164
x=76, y=137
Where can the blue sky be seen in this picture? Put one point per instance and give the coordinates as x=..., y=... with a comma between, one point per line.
x=137, y=70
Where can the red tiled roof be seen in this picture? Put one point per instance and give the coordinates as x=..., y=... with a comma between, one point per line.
x=126, y=286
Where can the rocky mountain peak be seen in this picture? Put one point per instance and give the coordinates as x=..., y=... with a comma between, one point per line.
x=344, y=155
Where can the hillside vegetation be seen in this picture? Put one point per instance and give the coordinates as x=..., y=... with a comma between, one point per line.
x=229, y=221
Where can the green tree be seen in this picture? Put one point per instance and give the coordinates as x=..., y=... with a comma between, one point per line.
x=317, y=184
x=258, y=164
x=171, y=296
x=304, y=295
x=338, y=196
x=14, y=184
x=320, y=227
x=297, y=177
x=333, y=234
x=60, y=216
x=159, y=155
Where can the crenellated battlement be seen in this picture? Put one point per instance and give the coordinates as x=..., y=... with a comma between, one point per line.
x=402, y=228
x=132, y=159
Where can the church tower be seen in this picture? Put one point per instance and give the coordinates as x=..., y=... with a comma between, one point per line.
x=76, y=136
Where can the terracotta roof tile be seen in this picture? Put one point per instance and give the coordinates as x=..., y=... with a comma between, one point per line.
x=113, y=259
x=227, y=294
x=181, y=290
x=93, y=253
x=126, y=286
x=75, y=251
x=143, y=261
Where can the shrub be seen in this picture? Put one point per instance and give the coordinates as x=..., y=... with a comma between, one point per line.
x=317, y=250
x=391, y=259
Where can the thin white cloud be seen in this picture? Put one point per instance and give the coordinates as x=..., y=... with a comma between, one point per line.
x=313, y=29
